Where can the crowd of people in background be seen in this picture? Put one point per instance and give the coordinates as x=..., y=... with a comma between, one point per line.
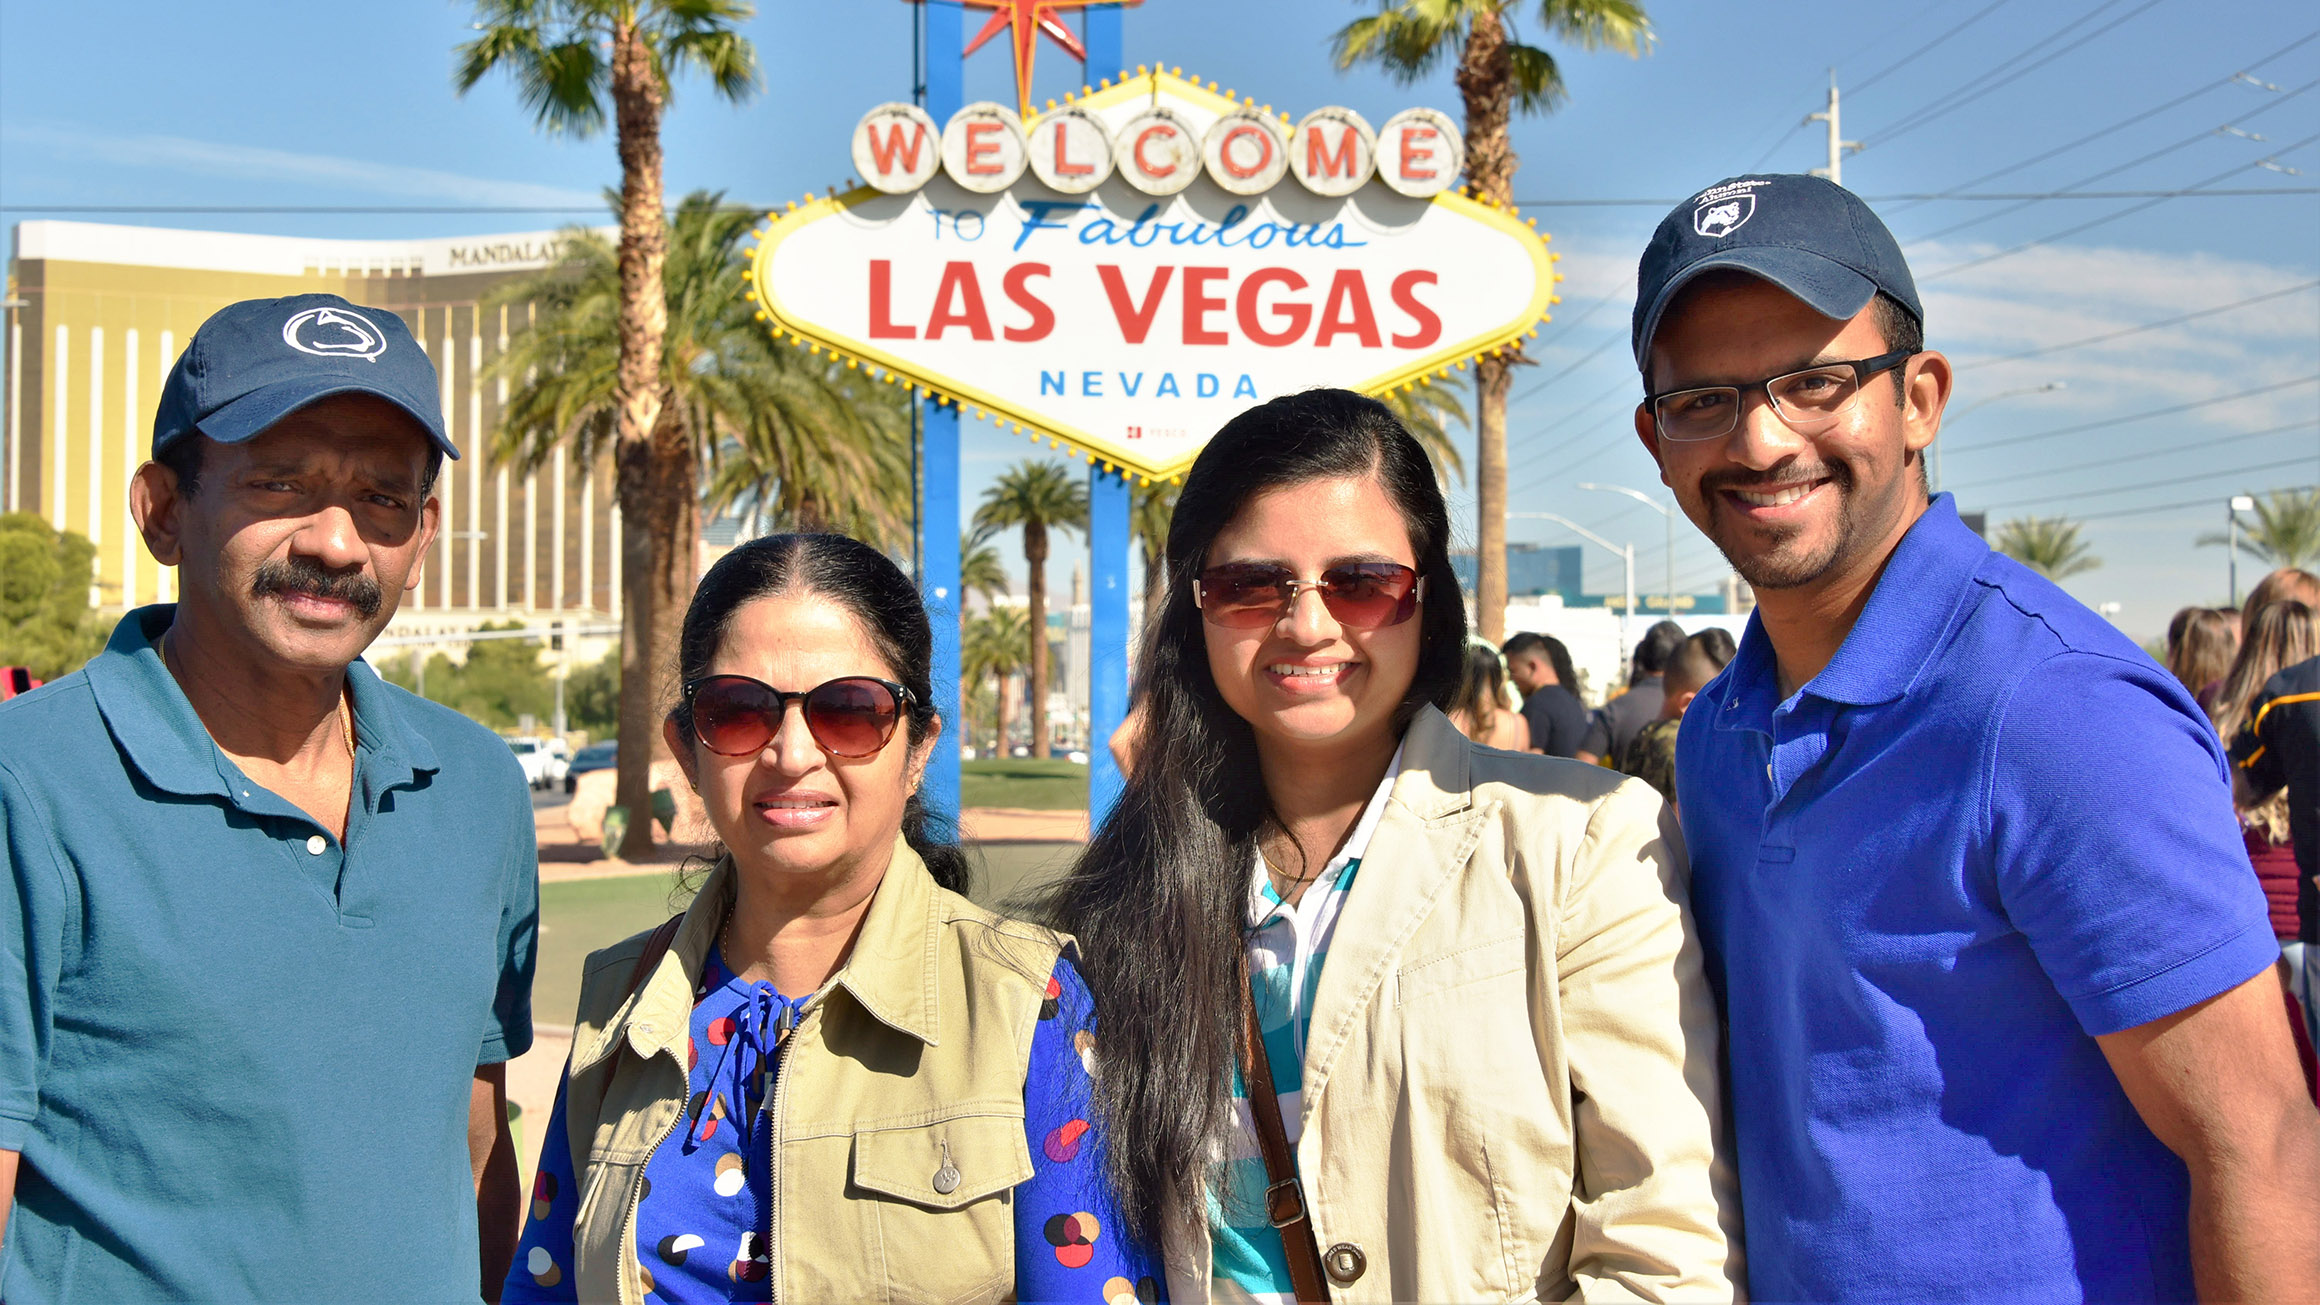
x=2238, y=663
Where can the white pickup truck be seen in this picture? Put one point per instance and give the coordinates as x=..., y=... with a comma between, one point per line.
x=544, y=760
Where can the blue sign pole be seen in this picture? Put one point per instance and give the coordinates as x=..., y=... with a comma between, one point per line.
x=1110, y=501
x=938, y=545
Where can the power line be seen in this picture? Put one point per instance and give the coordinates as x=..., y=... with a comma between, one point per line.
x=2112, y=461
x=2209, y=501
x=2192, y=139
x=2124, y=123
x=2137, y=330
x=2304, y=460
x=2140, y=416
x=1911, y=57
x=2115, y=216
x=1960, y=96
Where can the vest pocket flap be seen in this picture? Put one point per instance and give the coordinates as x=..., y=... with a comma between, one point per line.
x=943, y=1165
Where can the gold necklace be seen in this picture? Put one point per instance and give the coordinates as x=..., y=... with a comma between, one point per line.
x=345, y=716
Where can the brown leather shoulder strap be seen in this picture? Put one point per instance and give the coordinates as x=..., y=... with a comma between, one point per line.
x=655, y=947
x=1284, y=1197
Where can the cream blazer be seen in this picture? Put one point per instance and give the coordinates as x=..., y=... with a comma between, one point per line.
x=1512, y=1076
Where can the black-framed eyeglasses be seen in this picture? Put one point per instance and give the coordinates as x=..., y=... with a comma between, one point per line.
x=1809, y=400
x=853, y=716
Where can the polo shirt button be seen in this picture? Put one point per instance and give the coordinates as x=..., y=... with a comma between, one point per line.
x=316, y=844
x=1345, y=1264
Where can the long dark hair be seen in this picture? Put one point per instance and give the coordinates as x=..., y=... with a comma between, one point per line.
x=867, y=584
x=1158, y=898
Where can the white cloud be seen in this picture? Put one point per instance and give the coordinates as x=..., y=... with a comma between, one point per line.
x=260, y=163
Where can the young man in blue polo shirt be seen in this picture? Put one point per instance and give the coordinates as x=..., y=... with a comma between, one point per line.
x=1999, y=981
x=266, y=933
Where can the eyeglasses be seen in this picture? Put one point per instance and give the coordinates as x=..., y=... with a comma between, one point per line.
x=1359, y=595
x=1810, y=401
x=852, y=716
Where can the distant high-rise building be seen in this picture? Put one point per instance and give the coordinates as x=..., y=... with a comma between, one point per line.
x=97, y=315
x=1531, y=570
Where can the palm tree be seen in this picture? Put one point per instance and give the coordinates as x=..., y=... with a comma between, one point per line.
x=980, y=571
x=994, y=646
x=2286, y=531
x=1148, y=518
x=1496, y=74
x=726, y=390
x=570, y=58
x=1039, y=497
x=1429, y=411
x=2048, y=545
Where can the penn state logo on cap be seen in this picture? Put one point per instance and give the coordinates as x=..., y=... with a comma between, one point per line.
x=1720, y=218
x=329, y=333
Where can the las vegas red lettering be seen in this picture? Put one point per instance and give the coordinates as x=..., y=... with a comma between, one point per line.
x=1271, y=307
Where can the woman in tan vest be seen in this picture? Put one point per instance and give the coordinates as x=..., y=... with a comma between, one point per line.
x=1462, y=982
x=833, y=1077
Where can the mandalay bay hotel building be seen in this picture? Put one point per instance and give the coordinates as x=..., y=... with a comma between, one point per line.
x=96, y=316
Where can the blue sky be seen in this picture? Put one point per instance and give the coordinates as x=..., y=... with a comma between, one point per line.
x=238, y=102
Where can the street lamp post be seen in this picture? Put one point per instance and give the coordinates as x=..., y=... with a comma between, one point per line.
x=1626, y=554
x=1665, y=511
x=1971, y=407
x=2239, y=503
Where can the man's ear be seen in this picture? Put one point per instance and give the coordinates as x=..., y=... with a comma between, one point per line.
x=922, y=754
x=155, y=505
x=1925, y=392
x=430, y=520
x=680, y=749
x=1647, y=430
x=1683, y=701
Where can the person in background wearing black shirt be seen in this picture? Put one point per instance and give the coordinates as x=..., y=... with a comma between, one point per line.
x=2279, y=747
x=1624, y=717
x=1541, y=668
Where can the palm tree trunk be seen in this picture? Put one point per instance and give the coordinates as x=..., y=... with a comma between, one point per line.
x=649, y=521
x=999, y=709
x=1035, y=559
x=1155, y=586
x=1485, y=72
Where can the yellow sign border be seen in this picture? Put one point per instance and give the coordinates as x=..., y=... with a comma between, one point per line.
x=1424, y=370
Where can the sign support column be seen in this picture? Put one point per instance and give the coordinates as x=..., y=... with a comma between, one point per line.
x=1110, y=509
x=938, y=545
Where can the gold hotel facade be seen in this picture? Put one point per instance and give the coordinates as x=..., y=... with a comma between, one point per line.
x=97, y=314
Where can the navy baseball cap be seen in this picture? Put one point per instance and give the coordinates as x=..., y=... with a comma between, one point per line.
x=254, y=363
x=1807, y=235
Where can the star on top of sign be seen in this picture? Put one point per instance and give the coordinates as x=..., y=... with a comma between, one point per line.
x=1023, y=21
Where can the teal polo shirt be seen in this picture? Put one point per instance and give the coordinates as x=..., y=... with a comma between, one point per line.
x=235, y=1053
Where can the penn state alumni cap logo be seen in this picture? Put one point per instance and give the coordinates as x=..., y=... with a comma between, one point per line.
x=1807, y=235
x=327, y=331
x=254, y=363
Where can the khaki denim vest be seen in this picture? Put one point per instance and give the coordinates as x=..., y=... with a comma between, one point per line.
x=914, y=1053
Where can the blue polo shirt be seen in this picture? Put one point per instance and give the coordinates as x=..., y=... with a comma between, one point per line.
x=1989, y=830
x=236, y=1054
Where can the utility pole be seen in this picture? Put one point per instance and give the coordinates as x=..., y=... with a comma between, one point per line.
x=1839, y=147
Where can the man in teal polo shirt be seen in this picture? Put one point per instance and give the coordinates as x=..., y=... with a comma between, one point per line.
x=1999, y=983
x=266, y=934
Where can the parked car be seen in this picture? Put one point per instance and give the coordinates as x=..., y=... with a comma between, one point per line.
x=542, y=767
x=596, y=756
x=15, y=680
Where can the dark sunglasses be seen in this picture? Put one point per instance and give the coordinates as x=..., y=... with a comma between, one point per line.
x=852, y=716
x=1359, y=595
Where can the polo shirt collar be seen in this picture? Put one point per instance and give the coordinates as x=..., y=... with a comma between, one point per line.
x=1895, y=638
x=160, y=734
x=1900, y=627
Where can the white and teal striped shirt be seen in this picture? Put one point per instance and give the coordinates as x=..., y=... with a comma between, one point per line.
x=1287, y=943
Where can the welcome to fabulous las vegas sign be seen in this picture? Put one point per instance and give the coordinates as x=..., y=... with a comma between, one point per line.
x=1122, y=274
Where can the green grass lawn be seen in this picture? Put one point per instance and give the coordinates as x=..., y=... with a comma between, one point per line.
x=580, y=916
x=1025, y=783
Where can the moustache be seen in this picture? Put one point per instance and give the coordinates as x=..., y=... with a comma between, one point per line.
x=301, y=575
x=1757, y=482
